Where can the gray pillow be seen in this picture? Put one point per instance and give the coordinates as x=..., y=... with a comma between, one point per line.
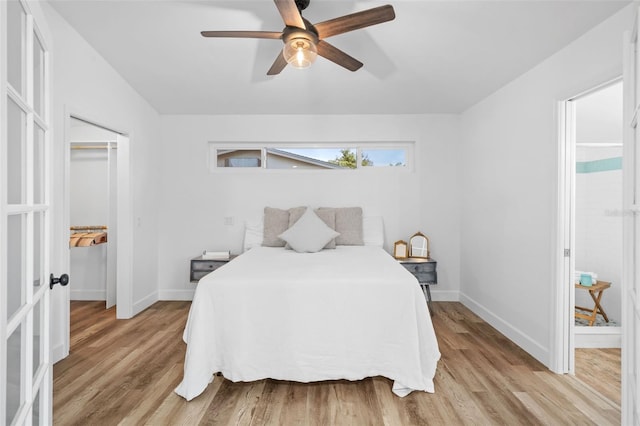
x=276, y=221
x=328, y=216
x=349, y=225
x=309, y=234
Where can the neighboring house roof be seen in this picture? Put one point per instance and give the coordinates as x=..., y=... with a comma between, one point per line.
x=302, y=158
x=291, y=156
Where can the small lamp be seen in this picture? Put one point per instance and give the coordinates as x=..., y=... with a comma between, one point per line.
x=300, y=52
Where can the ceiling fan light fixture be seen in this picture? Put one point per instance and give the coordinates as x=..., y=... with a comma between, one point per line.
x=300, y=52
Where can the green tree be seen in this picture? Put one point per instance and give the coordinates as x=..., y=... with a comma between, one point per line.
x=347, y=159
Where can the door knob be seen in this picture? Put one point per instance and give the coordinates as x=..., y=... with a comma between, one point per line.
x=63, y=280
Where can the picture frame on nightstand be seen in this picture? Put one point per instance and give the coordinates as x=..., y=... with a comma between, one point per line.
x=400, y=249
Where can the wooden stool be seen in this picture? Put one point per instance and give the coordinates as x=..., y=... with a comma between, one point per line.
x=595, y=291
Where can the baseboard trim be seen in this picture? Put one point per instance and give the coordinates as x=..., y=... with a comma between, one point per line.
x=598, y=337
x=58, y=353
x=88, y=295
x=532, y=347
x=176, y=295
x=144, y=303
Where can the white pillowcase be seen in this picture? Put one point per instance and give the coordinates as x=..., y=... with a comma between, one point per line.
x=373, y=231
x=309, y=234
x=253, y=234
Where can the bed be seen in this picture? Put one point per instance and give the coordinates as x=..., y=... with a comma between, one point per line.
x=347, y=313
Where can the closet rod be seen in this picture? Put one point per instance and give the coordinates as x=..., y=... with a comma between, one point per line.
x=86, y=228
x=599, y=144
x=73, y=147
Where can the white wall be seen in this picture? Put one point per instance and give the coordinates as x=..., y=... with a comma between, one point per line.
x=90, y=198
x=509, y=180
x=598, y=225
x=599, y=228
x=89, y=207
x=195, y=202
x=86, y=85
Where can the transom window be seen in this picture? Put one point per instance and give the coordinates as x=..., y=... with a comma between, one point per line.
x=310, y=157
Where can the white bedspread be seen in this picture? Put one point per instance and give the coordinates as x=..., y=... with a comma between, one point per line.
x=348, y=313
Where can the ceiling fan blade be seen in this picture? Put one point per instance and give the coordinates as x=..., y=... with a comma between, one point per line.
x=290, y=13
x=278, y=65
x=355, y=21
x=336, y=55
x=243, y=34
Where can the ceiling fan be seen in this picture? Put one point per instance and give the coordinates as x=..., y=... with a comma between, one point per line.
x=303, y=41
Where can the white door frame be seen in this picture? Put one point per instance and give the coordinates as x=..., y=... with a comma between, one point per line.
x=563, y=337
x=124, y=274
x=631, y=232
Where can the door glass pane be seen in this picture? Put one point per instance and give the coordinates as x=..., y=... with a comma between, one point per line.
x=38, y=76
x=35, y=416
x=37, y=340
x=38, y=166
x=15, y=387
x=636, y=76
x=16, y=24
x=16, y=128
x=15, y=262
x=635, y=155
x=38, y=248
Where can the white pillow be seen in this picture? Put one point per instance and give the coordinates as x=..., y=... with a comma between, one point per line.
x=253, y=234
x=309, y=234
x=373, y=231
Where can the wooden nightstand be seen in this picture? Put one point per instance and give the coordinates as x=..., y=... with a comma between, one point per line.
x=425, y=272
x=201, y=267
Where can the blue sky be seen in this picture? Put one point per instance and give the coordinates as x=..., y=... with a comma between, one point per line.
x=379, y=157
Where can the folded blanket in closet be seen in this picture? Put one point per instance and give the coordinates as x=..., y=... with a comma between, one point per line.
x=86, y=239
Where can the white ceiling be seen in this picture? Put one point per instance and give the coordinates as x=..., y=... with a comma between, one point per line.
x=435, y=57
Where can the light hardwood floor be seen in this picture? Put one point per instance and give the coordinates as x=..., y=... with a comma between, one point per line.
x=600, y=369
x=124, y=372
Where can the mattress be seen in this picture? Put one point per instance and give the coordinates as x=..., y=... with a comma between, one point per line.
x=349, y=313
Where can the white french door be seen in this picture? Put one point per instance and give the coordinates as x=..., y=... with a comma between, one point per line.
x=25, y=368
x=631, y=232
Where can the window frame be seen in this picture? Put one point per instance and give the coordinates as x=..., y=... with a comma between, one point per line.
x=407, y=146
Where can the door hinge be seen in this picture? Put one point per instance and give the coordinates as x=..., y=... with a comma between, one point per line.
x=567, y=252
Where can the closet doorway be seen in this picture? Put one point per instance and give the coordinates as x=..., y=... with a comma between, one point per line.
x=113, y=267
x=78, y=131
x=93, y=189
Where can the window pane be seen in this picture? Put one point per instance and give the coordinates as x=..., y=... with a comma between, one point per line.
x=38, y=166
x=311, y=158
x=384, y=157
x=16, y=24
x=15, y=262
x=15, y=387
x=239, y=158
x=38, y=251
x=16, y=128
x=38, y=76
